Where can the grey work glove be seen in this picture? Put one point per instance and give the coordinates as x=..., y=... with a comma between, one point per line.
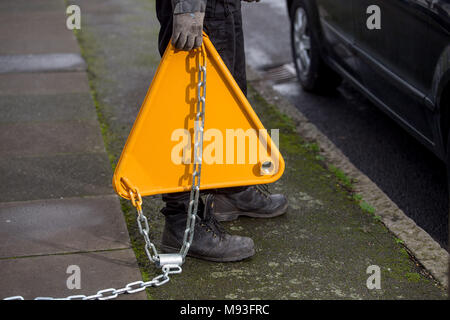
x=187, y=30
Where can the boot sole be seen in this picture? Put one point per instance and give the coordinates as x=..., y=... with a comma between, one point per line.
x=233, y=215
x=168, y=249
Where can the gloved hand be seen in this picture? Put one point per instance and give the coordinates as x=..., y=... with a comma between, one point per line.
x=187, y=30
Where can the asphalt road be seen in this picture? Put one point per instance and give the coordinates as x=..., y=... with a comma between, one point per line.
x=405, y=170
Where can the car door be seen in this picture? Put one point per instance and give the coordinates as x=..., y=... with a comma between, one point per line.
x=336, y=17
x=392, y=58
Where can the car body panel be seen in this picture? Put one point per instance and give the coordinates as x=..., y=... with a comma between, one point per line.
x=338, y=31
x=404, y=67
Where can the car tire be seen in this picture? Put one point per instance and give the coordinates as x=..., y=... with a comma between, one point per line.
x=312, y=72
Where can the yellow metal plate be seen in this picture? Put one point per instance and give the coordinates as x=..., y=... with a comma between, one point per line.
x=152, y=159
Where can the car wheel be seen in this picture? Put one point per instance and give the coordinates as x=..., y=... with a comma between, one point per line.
x=312, y=72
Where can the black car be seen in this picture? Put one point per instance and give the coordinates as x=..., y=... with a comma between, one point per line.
x=396, y=52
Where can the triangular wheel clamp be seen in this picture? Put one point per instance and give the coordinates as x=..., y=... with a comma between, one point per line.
x=147, y=160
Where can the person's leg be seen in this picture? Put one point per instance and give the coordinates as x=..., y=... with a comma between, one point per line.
x=175, y=202
x=210, y=242
x=220, y=26
x=223, y=24
x=226, y=34
x=164, y=13
x=239, y=69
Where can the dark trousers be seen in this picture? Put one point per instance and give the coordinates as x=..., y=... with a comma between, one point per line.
x=223, y=25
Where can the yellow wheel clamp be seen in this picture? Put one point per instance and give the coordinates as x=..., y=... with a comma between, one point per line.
x=158, y=156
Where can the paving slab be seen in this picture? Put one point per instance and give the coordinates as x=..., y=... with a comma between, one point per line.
x=48, y=108
x=47, y=275
x=35, y=6
x=73, y=175
x=43, y=83
x=36, y=32
x=47, y=138
x=130, y=72
x=61, y=226
x=42, y=62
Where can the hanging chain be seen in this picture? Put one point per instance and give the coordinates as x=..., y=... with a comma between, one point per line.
x=169, y=263
x=198, y=151
x=142, y=221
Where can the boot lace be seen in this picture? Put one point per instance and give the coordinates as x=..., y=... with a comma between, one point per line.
x=214, y=226
x=263, y=189
x=211, y=224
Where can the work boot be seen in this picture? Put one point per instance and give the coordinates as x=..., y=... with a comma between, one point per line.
x=210, y=242
x=254, y=201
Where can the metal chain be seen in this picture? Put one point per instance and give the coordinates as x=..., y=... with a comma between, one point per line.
x=198, y=152
x=169, y=263
x=111, y=293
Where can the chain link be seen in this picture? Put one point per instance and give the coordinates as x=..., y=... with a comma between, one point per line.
x=142, y=221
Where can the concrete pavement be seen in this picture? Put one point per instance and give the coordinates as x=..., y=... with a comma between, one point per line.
x=57, y=206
